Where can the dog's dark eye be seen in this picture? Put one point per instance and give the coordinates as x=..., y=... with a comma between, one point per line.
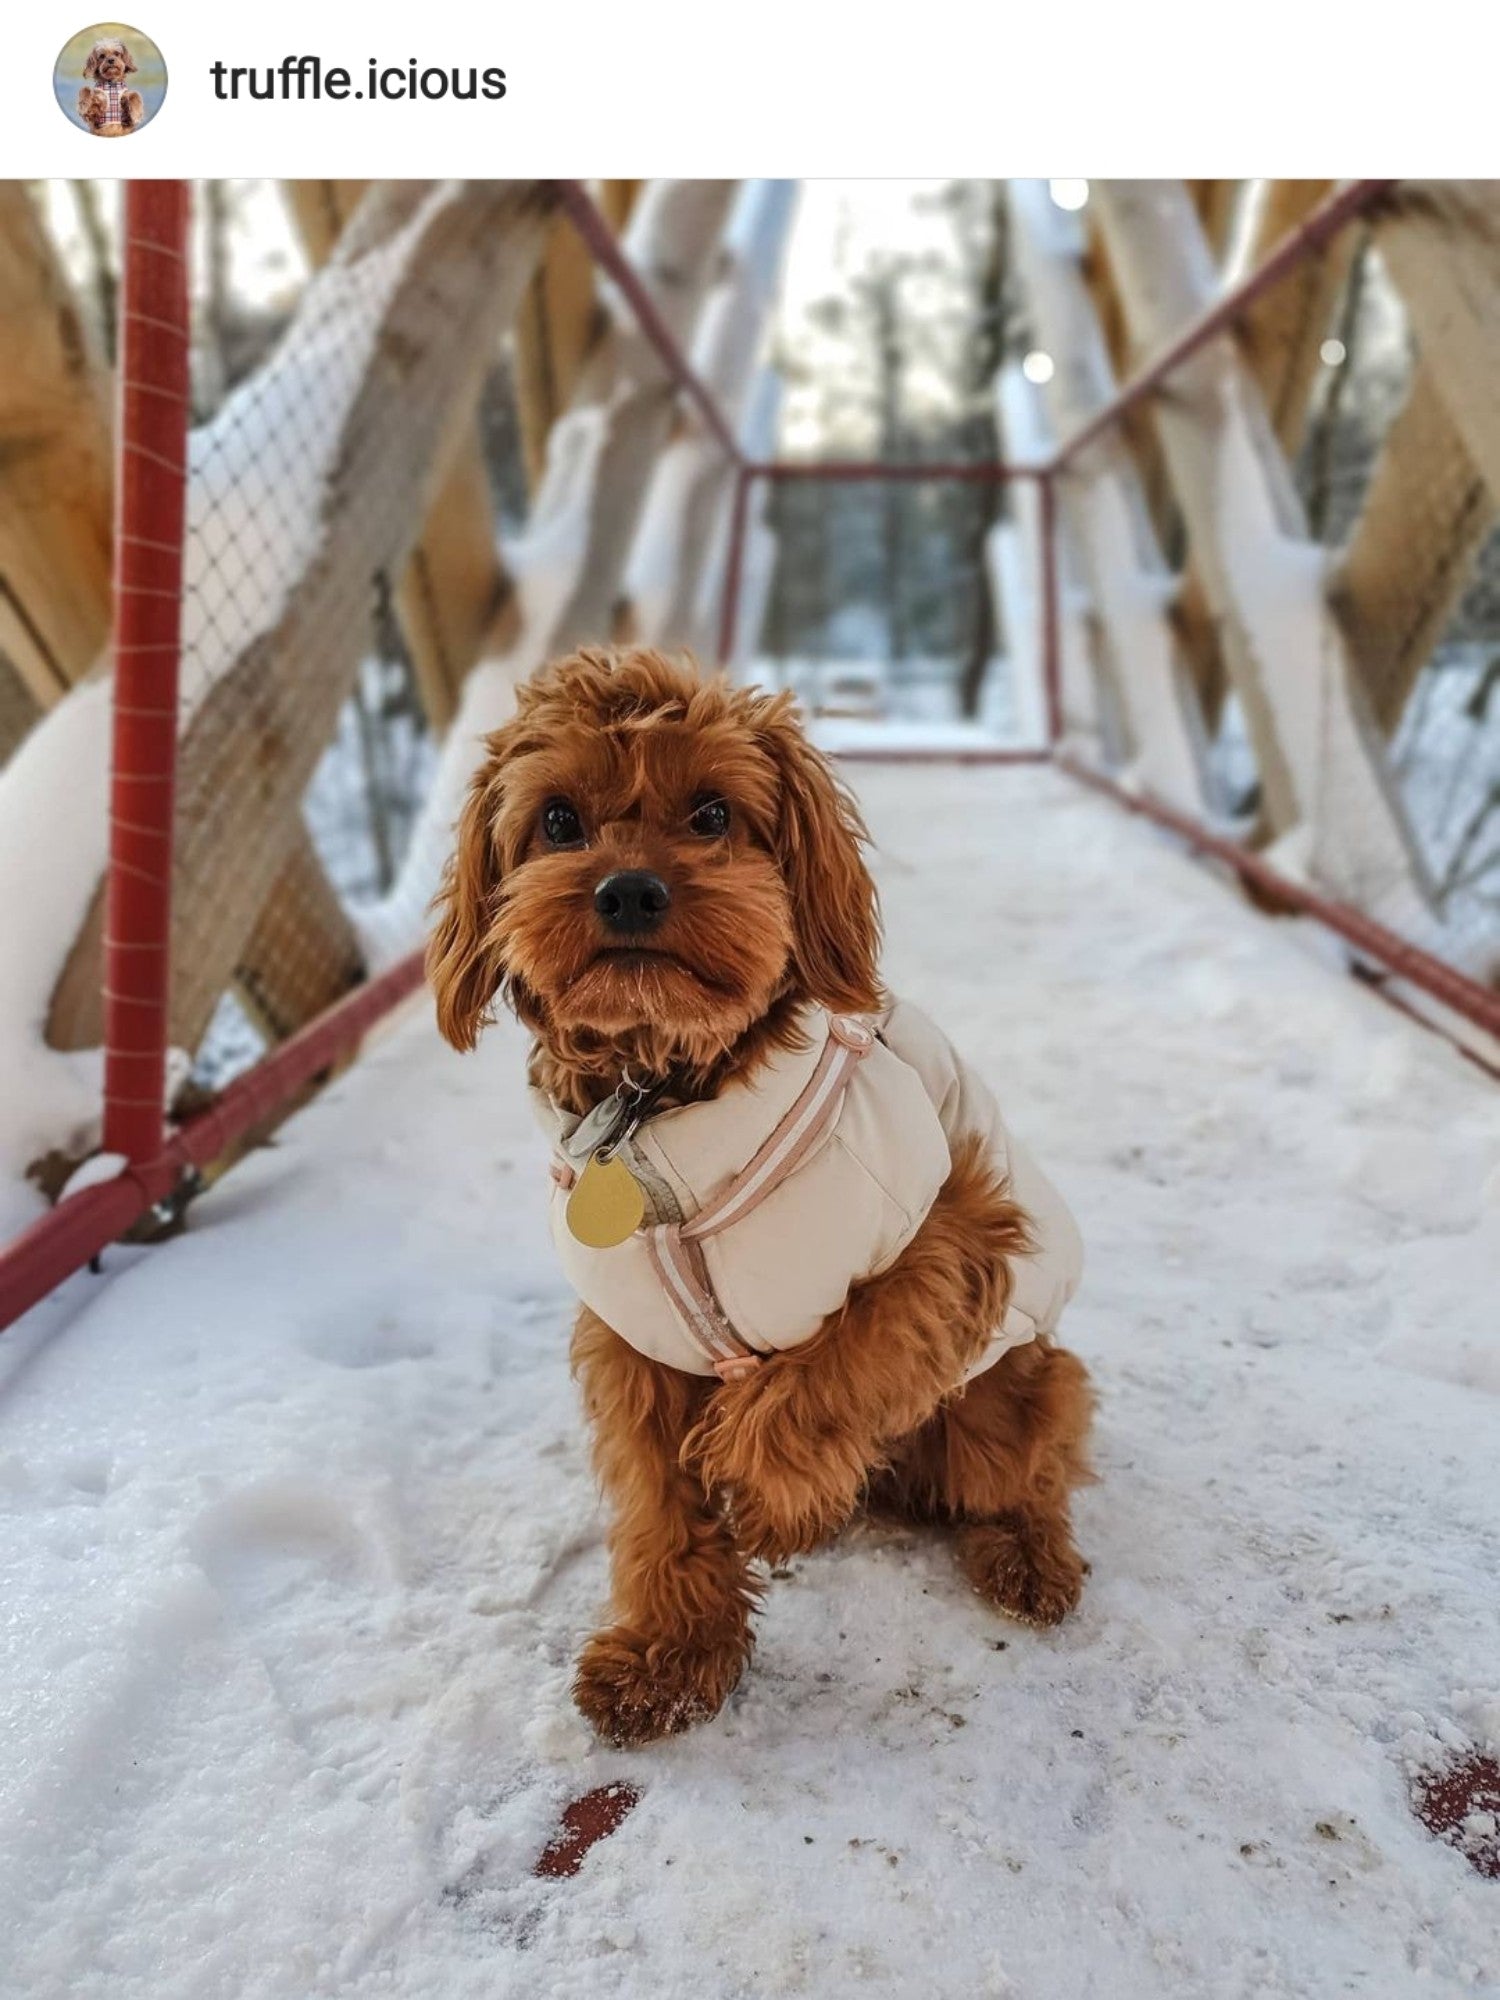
x=710, y=818
x=561, y=824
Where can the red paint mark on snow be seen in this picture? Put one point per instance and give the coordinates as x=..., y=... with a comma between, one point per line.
x=1460, y=1803
x=592, y=1818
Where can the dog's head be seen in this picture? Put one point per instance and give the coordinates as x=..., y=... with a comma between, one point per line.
x=646, y=850
x=109, y=61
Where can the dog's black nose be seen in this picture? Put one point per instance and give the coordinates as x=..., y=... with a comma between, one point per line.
x=633, y=900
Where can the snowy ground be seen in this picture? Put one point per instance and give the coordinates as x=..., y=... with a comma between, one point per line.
x=301, y=1538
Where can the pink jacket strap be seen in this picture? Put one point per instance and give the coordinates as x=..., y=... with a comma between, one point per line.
x=675, y=1255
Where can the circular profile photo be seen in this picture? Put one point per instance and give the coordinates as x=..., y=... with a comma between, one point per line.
x=110, y=79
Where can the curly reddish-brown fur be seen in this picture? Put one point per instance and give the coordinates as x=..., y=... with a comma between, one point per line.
x=704, y=1477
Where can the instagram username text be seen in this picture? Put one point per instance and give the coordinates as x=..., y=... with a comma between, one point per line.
x=301, y=79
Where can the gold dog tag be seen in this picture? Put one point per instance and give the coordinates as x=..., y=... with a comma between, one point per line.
x=606, y=1205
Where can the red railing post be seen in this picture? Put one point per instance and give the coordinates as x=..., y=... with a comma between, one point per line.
x=1050, y=608
x=734, y=565
x=150, y=501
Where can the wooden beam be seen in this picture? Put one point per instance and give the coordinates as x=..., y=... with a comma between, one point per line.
x=617, y=200
x=1192, y=618
x=1284, y=330
x=19, y=709
x=56, y=464
x=455, y=585
x=1285, y=651
x=1216, y=203
x=1146, y=700
x=559, y=324
x=1441, y=244
x=303, y=953
x=1411, y=554
x=681, y=524
x=676, y=243
x=250, y=746
x=599, y=466
x=455, y=582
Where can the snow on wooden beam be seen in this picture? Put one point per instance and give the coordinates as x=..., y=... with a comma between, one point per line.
x=691, y=489
x=1321, y=761
x=56, y=468
x=389, y=343
x=1131, y=585
x=1410, y=556
x=570, y=563
x=675, y=242
x=1015, y=553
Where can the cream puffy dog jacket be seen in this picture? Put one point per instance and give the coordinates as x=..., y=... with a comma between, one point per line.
x=766, y=1203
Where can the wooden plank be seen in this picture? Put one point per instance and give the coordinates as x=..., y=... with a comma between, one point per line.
x=19, y=709
x=455, y=582
x=1284, y=330
x=559, y=325
x=1216, y=203
x=303, y=953
x=1192, y=618
x=56, y=464
x=617, y=200
x=321, y=209
x=1441, y=244
x=1145, y=698
x=252, y=743
x=1409, y=559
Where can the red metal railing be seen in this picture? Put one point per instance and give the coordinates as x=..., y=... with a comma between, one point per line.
x=150, y=501
x=152, y=433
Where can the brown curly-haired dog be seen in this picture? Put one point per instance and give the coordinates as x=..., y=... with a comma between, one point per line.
x=665, y=881
x=104, y=104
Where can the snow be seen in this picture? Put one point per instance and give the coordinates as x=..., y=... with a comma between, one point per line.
x=301, y=1536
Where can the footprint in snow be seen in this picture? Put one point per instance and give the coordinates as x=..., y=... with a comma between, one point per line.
x=302, y=1583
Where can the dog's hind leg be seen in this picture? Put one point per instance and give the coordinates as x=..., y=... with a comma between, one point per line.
x=682, y=1593
x=999, y=1462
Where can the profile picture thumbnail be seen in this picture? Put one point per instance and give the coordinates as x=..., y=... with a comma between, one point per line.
x=110, y=79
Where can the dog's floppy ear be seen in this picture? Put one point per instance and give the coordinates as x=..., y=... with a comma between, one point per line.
x=464, y=966
x=129, y=59
x=91, y=66
x=835, y=913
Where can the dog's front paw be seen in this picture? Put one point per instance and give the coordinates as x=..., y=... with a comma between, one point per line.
x=634, y=1690
x=1038, y=1580
x=792, y=1478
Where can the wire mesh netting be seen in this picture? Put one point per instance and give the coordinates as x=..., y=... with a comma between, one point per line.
x=305, y=745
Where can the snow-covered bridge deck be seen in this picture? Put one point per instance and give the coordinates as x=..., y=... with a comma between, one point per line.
x=300, y=1535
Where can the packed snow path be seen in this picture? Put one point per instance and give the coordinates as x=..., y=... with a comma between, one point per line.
x=301, y=1538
